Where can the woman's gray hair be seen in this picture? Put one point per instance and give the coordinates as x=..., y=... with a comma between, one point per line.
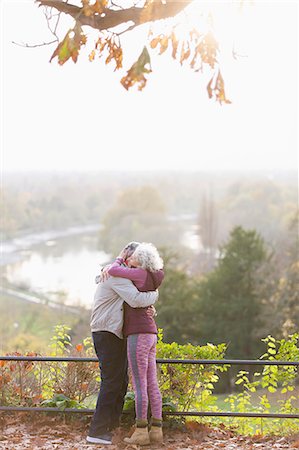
x=148, y=257
x=131, y=247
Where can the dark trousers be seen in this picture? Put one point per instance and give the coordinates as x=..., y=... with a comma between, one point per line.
x=112, y=354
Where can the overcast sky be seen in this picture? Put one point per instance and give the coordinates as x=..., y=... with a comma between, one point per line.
x=79, y=117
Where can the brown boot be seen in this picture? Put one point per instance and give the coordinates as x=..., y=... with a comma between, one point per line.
x=139, y=437
x=156, y=435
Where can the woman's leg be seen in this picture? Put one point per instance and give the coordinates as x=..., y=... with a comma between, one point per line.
x=138, y=351
x=152, y=381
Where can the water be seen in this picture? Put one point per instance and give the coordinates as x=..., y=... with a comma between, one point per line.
x=63, y=269
x=62, y=266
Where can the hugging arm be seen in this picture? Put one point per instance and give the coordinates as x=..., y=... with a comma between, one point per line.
x=117, y=270
x=130, y=294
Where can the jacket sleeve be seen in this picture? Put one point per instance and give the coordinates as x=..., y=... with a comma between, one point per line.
x=130, y=294
x=117, y=270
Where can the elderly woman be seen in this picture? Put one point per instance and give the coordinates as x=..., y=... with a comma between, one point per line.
x=145, y=271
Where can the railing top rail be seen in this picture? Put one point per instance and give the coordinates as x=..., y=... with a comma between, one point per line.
x=167, y=413
x=163, y=361
x=250, y=362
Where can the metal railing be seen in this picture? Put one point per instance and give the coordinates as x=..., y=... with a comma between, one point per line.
x=159, y=361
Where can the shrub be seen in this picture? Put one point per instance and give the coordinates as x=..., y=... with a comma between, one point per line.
x=183, y=387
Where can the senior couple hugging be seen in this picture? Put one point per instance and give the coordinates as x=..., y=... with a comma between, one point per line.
x=125, y=333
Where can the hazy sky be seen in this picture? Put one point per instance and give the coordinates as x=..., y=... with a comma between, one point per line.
x=80, y=117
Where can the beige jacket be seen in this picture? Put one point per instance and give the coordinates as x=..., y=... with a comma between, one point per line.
x=107, y=310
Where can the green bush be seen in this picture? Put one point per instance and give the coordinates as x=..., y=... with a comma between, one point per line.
x=184, y=387
x=184, y=384
x=270, y=390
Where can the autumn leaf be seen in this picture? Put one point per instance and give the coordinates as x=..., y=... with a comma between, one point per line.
x=192, y=425
x=163, y=44
x=185, y=52
x=114, y=50
x=84, y=386
x=215, y=89
x=70, y=46
x=209, y=88
x=175, y=44
x=100, y=6
x=136, y=73
x=62, y=51
x=79, y=347
x=154, y=42
x=97, y=8
x=162, y=40
x=207, y=49
x=101, y=44
x=92, y=55
x=194, y=35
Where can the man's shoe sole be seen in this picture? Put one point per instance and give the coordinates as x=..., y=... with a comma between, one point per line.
x=94, y=440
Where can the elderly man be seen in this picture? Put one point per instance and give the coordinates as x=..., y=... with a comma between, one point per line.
x=106, y=326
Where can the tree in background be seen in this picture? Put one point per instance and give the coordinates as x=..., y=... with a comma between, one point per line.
x=139, y=214
x=230, y=306
x=178, y=306
x=266, y=206
x=286, y=299
x=208, y=225
x=279, y=289
x=250, y=294
x=288, y=292
x=188, y=37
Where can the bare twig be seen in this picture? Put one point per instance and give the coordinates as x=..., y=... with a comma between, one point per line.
x=35, y=45
x=57, y=22
x=237, y=55
x=126, y=30
x=48, y=17
x=117, y=6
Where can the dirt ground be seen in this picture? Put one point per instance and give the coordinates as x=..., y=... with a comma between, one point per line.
x=20, y=431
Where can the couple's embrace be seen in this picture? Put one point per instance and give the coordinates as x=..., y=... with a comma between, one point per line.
x=125, y=333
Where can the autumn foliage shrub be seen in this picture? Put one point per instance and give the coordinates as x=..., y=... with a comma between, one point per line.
x=20, y=382
x=184, y=387
x=32, y=383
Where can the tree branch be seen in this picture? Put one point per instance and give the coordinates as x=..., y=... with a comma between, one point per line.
x=112, y=18
x=34, y=45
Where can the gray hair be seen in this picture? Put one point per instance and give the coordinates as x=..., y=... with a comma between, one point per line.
x=131, y=247
x=148, y=257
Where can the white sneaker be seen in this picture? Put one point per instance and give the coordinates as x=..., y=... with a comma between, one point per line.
x=105, y=439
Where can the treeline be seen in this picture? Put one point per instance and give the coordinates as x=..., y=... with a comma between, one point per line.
x=37, y=202
x=251, y=292
x=127, y=203
x=242, y=282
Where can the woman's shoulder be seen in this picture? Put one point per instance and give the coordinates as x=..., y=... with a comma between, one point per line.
x=159, y=274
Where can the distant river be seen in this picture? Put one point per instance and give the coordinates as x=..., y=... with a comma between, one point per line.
x=63, y=268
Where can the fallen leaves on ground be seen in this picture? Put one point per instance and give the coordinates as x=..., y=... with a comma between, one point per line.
x=23, y=431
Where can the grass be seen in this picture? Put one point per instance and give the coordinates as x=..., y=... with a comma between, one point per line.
x=27, y=326
x=274, y=399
